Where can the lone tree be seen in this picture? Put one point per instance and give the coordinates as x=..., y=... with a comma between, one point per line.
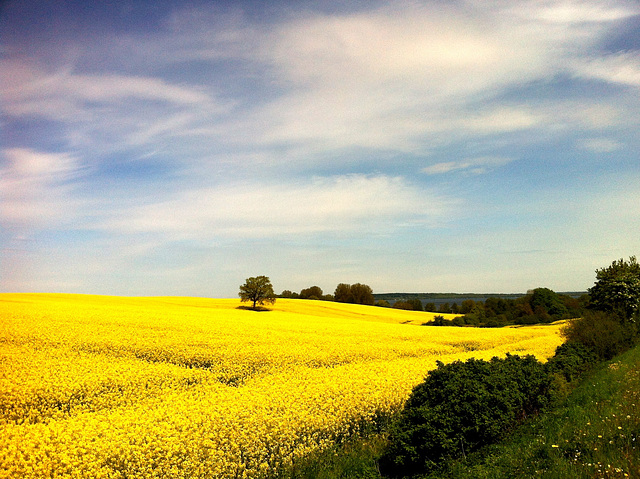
x=617, y=289
x=259, y=290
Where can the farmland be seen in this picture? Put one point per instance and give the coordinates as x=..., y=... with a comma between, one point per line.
x=114, y=387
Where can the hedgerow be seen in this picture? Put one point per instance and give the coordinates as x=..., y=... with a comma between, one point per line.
x=461, y=407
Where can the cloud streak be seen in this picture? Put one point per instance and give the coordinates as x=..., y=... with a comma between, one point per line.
x=334, y=205
x=475, y=166
x=34, y=187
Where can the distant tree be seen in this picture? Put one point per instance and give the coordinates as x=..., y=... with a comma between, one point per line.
x=546, y=302
x=286, y=294
x=430, y=307
x=314, y=292
x=439, y=320
x=455, y=309
x=444, y=308
x=495, y=306
x=257, y=290
x=467, y=306
x=406, y=305
x=617, y=289
x=362, y=294
x=458, y=321
x=383, y=303
x=343, y=294
x=416, y=304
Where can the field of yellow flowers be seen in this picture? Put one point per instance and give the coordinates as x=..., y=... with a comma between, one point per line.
x=114, y=387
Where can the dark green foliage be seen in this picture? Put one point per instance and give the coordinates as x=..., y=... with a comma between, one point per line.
x=383, y=303
x=571, y=360
x=603, y=333
x=430, y=307
x=343, y=293
x=496, y=306
x=314, y=292
x=444, y=308
x=354, y=293
x=593, y=433
x=617, y=289
x=406, y=305
x=362, y=294
x=540, y=305
x=257, y=290
x=416, y=304
x=467, y=306
x=461, y=407
x=440, y=321
x=458, y=321
x=548, y=303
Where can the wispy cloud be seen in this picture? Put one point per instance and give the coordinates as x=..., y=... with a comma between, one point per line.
x=341, y=204
x=600, y=145
x=621, y=68
x=34, y=187
x=474, y=166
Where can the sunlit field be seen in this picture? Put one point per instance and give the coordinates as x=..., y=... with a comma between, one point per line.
x=115, y=387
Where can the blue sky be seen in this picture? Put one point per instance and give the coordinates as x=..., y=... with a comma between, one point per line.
x=177, y=148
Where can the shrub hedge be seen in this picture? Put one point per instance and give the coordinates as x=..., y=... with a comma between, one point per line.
x=462, y=406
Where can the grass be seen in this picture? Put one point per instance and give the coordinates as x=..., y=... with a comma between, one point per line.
x=594, y=432
x=354, y=459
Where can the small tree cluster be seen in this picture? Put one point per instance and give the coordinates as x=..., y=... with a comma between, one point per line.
x=540, y=305
x=409, y=305
x=313, y=292
x=354, y=293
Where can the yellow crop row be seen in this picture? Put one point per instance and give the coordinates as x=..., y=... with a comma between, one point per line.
x=114, y=387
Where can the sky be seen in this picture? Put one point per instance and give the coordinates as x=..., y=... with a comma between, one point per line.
x=177, y=148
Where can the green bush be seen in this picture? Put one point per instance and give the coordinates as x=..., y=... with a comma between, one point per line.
x=601, y=332
x=461, y=407
x=571, y=360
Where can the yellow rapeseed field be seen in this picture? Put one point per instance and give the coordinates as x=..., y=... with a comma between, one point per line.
x=113, y=387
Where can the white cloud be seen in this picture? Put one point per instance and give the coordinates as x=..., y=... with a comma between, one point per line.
x=28, y=89
x=621, y=68
x=34, y=187
x=599, y=145
x=474, y=166
x=572, y=11
x=366, y=204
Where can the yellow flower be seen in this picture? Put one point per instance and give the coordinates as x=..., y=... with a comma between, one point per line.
x=192, y=387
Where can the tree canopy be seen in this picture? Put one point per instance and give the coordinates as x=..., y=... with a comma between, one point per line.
x=354, y=293
x=617, y=289
x=314, y=292
x=258, y=290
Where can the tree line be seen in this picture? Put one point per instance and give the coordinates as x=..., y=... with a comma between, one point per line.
x=357, y=293
x=540, y=305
